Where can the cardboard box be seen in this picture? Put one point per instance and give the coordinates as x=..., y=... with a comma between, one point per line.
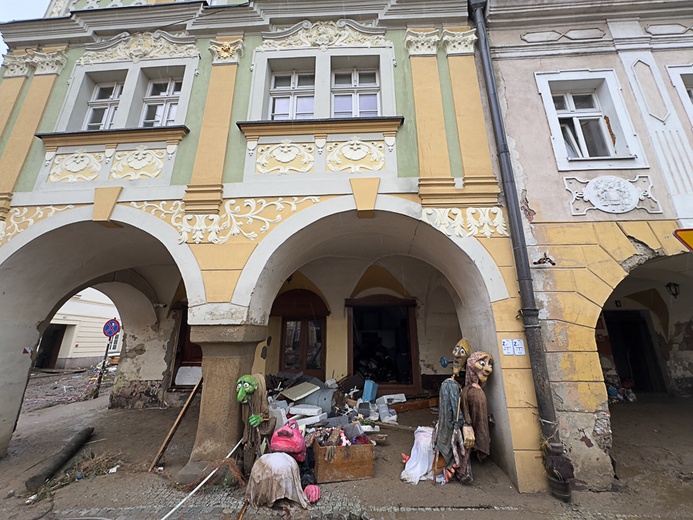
x=349, y=463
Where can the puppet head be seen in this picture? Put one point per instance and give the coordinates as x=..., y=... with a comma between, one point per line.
x=289, y=439
x=460, y=353
x=245, y=386
x=479, y=367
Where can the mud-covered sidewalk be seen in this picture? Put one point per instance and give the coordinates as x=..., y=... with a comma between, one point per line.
x=653, y=453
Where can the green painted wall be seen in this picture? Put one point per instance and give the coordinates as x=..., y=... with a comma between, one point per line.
x=451, y=131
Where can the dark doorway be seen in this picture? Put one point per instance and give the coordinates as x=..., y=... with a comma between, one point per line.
x=633, y=351
x=383, y=342
x=49, y=347
x=188, y=354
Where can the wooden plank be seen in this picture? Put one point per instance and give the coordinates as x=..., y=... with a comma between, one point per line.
x=349, y=463
x=168, y=438
x=418, y=404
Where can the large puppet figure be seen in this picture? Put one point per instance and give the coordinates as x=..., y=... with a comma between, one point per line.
x=277, y=475
x=448, y=436
x=475, y=410
x=251, y=391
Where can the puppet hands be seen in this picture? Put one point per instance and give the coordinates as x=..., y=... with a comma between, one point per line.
x=312, y=493
x=468, y=434
x=255, y=420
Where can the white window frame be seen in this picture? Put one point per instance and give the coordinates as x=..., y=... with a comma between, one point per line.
x=615, y=124
x=355, y=90
x=294, y=92
x=109, y=105
x=267, y=62
x=571, y=119
x=136, y=78
x=682, y=79
x=167, y=100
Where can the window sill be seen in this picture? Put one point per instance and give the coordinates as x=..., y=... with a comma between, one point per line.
x=255, y=129
x=168, y=134
x=609, y=158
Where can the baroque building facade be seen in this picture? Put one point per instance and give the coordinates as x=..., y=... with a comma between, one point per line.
x=596, y=101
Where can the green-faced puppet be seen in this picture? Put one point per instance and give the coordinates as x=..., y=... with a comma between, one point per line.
x=245, y=387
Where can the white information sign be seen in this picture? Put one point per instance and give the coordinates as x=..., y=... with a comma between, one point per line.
x=507, y=345
x=519, y=347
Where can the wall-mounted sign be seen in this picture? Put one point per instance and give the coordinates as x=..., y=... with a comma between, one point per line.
x=513, y=347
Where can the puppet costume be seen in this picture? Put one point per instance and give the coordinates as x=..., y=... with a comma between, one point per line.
x=275, y=476
x=255, y=397
x=447, y=417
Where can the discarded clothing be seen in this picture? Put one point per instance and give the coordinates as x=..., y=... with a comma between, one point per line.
x=419, y=465
x=273, y=477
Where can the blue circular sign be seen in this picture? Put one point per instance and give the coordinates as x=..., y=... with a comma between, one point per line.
x=111, y=328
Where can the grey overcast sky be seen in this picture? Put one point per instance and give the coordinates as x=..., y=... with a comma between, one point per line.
x=20, y=10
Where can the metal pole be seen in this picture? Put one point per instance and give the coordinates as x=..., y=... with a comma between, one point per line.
x=103, y=367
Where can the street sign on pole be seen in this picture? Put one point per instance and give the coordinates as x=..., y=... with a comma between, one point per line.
x=111, y=328
x=685, y=236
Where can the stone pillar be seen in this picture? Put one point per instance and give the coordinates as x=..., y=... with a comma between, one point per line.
x=227, y=353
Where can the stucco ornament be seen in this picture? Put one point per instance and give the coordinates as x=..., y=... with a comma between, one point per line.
x=138, y=164
x=469, y=222
x=19, y=219
x=47, y=62
x=459, y=42
x=218, y=229
x=323, y=35
x=226, y=52
x=16, y=66
x=420, y=43
x=355, y=156
x=136, y=47
x=285, y=157
x=612, y=194
x=79, y=166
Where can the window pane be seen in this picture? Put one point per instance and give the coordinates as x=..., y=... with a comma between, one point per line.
x=292, y=345
x=158, y=88
x=368, y=105
x=594, y=138
x=583, y=101
x=342, y=78
x=110, y=117
x=177, y=87
x=104, y=92
x=280, y=108
x=96, y=117
x=342, y=105
x=153, y=115
x=314, y=350
x=282, y=81
x=559, y=102
x=171, y=116
x=367, y=78
x=304, y=106
x=570, y=140
x=306, y=80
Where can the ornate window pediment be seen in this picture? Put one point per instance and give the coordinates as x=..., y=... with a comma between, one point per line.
x=323, y=35
x=140, y=46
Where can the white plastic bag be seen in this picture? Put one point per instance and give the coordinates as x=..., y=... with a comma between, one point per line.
x=419, y=465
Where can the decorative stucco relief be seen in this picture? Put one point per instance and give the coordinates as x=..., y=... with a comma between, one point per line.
x=226, y=52
x=343, y=33
x=571, y=34
x=456, y=42
x=657, y=29
x=41, y=62
x=76, y=167
x=285, y=157
x=138, y=164
x=422, y=43
x=136, y=47
x=611, y=194
x=356, y=156
x=467, y=222
x=218, y=229
x=19, y=219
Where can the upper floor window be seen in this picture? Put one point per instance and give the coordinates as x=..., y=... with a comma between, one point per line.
x=292, y=95
x=161, y=103
x=583, y=125
x=589, y=123
x=103, y=106
x=355, y=93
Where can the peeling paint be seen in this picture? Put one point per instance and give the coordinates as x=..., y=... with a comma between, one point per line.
x=602, y=430
x=137, y=394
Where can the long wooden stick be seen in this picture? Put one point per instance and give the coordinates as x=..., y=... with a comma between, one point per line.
x=168, y=438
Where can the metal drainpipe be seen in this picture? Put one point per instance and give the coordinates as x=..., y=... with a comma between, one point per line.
x=558, y=466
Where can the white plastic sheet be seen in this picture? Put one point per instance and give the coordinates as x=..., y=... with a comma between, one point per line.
x=419, y=465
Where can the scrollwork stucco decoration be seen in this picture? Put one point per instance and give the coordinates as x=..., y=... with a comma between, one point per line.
x=224, y=53
x=41, y=62
x=459, y=42
x=78, y=166
x=611, y=194
x=355, y=156
x=140, y=46
x=16, y=66
x=138, y=164
x=218, y=229
x=422, y=43
x=342, y=33
x=468, y=222
x=285, y=157
x=19, y=219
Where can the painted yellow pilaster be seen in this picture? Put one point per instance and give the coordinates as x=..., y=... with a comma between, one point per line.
x=204, y=193
x=480, y=185
x=47, y=65
x=436, y=185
